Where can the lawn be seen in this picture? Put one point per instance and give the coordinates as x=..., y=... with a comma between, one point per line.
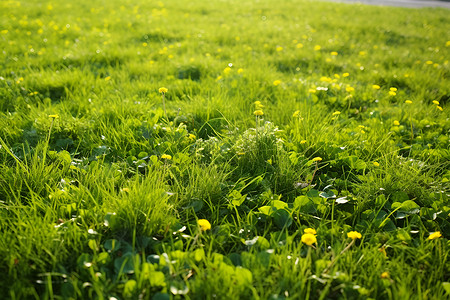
x=223, y=149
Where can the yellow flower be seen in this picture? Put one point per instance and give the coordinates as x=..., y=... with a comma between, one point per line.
x=204, y=224
x=53, y=116
x=303, y=142
x=429, y=62
x=336, y=113
x=396, y=123
x=258, y=112
x=240, y=71
x=393, y=89
x=436, y=102
x=345, y=74
x=376, y=87
x=376, y=164
x=435, y=235
x=162, y=90
x=258, y=104
x=309, y=239
x=317, y=159
x=440, y=108
x=166, y=156
x=334, y=53
x=317, y=48
x=384, y=275
x=350, y=89
x=125, y=189
x=299, y=45
x=107, y=78
x=408, y=101
x=392, y=93
x=279, y=48
x=296, y=114
x=354, y=235
x=227, y=70
x=277, y=82
x=312, y=91
x=310, y=230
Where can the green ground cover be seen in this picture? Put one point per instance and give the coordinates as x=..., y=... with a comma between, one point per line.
x=286, y=125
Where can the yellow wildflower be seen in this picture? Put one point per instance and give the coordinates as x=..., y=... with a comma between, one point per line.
x=258, y=112
x=277, y=82
x=317, y=48
x=396, y=123
x=354, y=235
x=166, y=156
x=392, y=93
x=350, y=89
x=393, y=89
x=345, y=74
x=53, y=116
x=258, y=104
x=376, y=87
x=436, y=102
x=435, y=235
x=296, y=114
x=309, y=239
x=336, y=113
x=408, y=101
x=204, y=224
x=162, y=90
x=317, y=159
x=440, y=108
x=376, y=164
x=310, y=230
x=334, y=53
x=279, y=48
x=303, y=142
x=384, y=275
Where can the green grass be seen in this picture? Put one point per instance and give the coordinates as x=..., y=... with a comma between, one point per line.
x=103, y=179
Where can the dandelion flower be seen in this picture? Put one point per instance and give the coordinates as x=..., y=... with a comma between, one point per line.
x=279, y=48
x=166, y=156
x=354, y=235
x=435, y=235
x=258, y=104
x=392, y=93
x=53, y=116
x=317, y=48
x=429, y=62
x=162, y=90
x=396, y=123
x=334, y=53
x=376, y=164
x=350, y=89
x=440, y=108
x=345, y=74
x=436, y=102
x=317, y=159
x=240, y=71
x=303, y=142
x=376, y=87
x=384, y=275
x=204, y=224
x=408, y=101
x=310, y=230
x=277, y=82
x=393, y=89
x=258, y=112
x=227, y=70
x=309, y=239
x=296, y=114
x=336, y=113
x=299, y=45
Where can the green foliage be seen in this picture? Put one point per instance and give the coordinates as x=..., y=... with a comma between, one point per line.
x=280, y=119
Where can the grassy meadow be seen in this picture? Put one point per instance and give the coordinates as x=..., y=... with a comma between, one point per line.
x=223, y=150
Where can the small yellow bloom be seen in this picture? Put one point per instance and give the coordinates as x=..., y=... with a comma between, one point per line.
x=436, y=102
x=303, y=142
x=309, y=239
x=166, y=156
x=336, y=113
x=376, y=164
x=384, y=275
x=162, y=90
x=429, y=62
x=408, y=101
x=258, y=104
x=350, y=89
x=258, y=112
x=279, y=48
x=277, y=82
x=227, y=70
x=53, y=116
x=312, y=91
x=396, y=123
x=191, y=136
x=354, y=235
x=299, y=45
x=317, y=159
x=296, y=114
x=125, y=189
x=440, y=108
x=317, y=48
x=204, y=224
x=376, y=87
x=435, y=235
x=107, y=78
x=240, y=71
x=310, y=230
x=345, y=74
x=334, y=53
x=393, y=89
x=447, y=44
x=392, y=93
